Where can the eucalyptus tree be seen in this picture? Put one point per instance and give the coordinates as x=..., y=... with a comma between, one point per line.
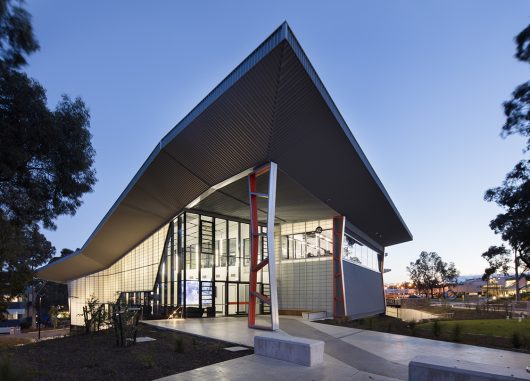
x=46, y=156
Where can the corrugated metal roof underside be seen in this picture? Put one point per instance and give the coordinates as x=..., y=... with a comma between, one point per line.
x=293, y=202
x=272, y=107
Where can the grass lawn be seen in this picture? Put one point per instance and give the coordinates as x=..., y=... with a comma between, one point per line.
x=95, y=356
x=490, y=327
x=460, y=313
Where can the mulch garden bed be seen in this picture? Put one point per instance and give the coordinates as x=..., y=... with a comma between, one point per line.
x=95, y=356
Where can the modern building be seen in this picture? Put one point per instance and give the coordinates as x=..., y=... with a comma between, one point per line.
x=260, y=201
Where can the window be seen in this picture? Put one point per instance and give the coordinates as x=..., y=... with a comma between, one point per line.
x=308, y=244
x=355, y=252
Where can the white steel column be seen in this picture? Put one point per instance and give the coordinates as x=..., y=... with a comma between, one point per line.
x=271, y=211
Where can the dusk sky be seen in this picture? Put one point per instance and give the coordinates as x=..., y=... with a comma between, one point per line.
x=420, y=84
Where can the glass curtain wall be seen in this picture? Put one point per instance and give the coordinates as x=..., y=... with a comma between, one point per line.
x=205, y=268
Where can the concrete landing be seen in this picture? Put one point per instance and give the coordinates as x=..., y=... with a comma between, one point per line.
x=231, y=329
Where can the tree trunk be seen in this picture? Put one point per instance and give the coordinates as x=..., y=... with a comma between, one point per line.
x=33, y=308
x=517, y=290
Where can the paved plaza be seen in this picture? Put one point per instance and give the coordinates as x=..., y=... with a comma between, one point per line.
x=350, y=354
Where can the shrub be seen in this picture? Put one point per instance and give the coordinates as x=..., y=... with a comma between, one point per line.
x=371, y=323
x=53, y=312
x=389, y=327
x=436, y=328
x=147, y=360
x=412, y=327
x=179, y=345
x=25, y=323
x=516, y=340
x=457, y=333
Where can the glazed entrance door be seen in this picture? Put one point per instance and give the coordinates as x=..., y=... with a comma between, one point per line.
x=232, y=299
x=243, y=298
x=220, y=301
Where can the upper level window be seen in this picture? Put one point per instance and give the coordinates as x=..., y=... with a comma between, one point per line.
x=355, y=252
x=307, y=245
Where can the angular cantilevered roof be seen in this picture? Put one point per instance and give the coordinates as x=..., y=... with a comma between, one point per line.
x=272, y=107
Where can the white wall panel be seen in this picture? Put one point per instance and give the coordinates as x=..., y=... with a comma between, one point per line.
x=136, y=271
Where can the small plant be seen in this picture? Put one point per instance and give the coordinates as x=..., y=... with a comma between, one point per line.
x=516, y=340
x=370, y=323
x=436, y=328
x=147, y=360
x=194, y=341
x=389, y=328
x=93, y=314
x=179, y=345
x=53, y=312
x=457, y=333
x=412, y=327
x=92, y=361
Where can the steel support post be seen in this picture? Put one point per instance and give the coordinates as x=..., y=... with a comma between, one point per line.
x=255, y=267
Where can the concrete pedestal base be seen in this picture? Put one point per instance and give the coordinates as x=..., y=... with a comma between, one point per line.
x=314, y=315
x=297, y=350
x=445, y=369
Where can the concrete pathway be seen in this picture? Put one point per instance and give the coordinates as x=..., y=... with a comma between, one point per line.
x=350, y=354
x=257, y=368
x=401, y=349
x=47, y=333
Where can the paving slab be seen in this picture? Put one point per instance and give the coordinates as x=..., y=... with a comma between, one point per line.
x=332, y=330
x=257, y=368
x=231, y=329
x=345, y=352
x=442, y=368
x=402, y=349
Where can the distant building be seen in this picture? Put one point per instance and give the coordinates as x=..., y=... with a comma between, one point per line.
x=498, y=286
x=17, y=308
x=469, y=287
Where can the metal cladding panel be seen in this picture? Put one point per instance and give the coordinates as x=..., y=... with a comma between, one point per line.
x=128, y=226
x=363, y=291
x=166, y=187
x=273, y=107
x=71, y=267
x=309, y=144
